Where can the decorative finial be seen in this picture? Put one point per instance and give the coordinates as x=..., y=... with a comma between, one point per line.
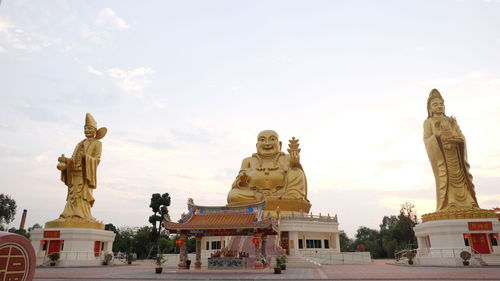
x=294, y=151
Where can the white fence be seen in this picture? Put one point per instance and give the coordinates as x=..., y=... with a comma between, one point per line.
x=339, y=258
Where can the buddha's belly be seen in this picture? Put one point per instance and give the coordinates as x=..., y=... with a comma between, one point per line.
x=269, y=180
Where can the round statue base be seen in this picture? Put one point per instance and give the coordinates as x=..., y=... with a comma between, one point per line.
x=454, y=214
x=440, y=242
x=76, y=246
x=74, y=223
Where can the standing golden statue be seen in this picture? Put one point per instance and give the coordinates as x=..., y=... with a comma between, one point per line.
x=271, y=175
x=79, y=174
x=447, y=151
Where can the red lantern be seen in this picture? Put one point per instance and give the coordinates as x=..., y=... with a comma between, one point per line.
x=179, y=242
x=255, y=240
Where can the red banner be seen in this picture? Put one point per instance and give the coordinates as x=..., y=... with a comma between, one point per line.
x=51, y=234
x=480, y=225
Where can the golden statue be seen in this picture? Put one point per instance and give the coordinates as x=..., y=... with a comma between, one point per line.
x=272, y=175
x=447, y=151
x=79, y=174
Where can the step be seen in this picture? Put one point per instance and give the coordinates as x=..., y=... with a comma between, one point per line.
x=492, y=259
x=300, y=262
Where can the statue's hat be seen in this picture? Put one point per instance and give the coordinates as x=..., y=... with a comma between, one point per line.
x=90, y=121
x=434, y=94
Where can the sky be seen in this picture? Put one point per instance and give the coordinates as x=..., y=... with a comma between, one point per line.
x=184, y=87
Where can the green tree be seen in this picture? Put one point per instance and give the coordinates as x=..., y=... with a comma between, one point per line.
x=397, y=231
x=7, y=209
x=110, y=227
x=123, y=240
x=159, y=205
x=35, y=226
x=371, y=239
x=141, y=244
x=346, y=243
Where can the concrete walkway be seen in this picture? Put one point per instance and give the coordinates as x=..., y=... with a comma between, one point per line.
x=379, y=270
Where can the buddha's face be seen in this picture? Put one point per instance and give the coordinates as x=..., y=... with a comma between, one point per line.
x=436, y=107
x=268, y=143
x=89, y=131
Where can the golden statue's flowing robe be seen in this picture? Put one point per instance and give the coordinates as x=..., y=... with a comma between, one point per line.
x=81, y=178
x=454, y=187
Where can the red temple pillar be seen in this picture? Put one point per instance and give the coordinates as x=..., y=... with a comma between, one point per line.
x=182, y=251
x=256, y=241
x=197, y=264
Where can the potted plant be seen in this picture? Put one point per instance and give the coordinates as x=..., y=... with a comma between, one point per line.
x=54, y=257
x=409, y=254
x=160, y=259
x=279, y=262
x=283, y=260
x=107, y=258
x=465, y=257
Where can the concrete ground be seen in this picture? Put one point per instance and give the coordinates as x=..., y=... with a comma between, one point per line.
x=379, y=270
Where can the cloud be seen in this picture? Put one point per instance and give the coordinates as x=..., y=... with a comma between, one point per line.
x=135, y=80
x=21, y=39
x=440, y=82
x=158, y=104
x=109, y=18
x=92, y=70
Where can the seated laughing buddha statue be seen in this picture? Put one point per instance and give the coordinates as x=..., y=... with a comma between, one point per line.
x=270, y=174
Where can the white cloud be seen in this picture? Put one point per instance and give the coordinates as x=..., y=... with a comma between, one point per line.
x=440, y=82
x=21, y=39
x=41, y=158
x=159, y=105
x=135, y=80
x=109, y=18
x=92, y=70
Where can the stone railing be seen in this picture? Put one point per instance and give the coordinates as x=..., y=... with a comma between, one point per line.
x=310, y=217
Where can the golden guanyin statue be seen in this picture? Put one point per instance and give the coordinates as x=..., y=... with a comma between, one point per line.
x=447, y=151
x=79, y=174
x=272, y=175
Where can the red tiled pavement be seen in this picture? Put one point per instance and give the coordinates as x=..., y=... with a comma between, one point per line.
x=379, y=270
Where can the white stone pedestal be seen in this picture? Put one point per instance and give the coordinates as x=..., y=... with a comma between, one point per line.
x=77, y=246
x=440, y=242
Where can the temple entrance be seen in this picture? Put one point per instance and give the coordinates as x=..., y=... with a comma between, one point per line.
x=285, y=242
x=246, y=221
x=480, y=243
x=54, y=246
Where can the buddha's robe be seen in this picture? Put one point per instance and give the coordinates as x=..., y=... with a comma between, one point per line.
x=454, y=187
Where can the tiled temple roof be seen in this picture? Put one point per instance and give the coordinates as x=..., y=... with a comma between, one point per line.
x=238, y=220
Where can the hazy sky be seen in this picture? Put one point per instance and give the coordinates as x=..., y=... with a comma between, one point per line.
x=184, y=87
